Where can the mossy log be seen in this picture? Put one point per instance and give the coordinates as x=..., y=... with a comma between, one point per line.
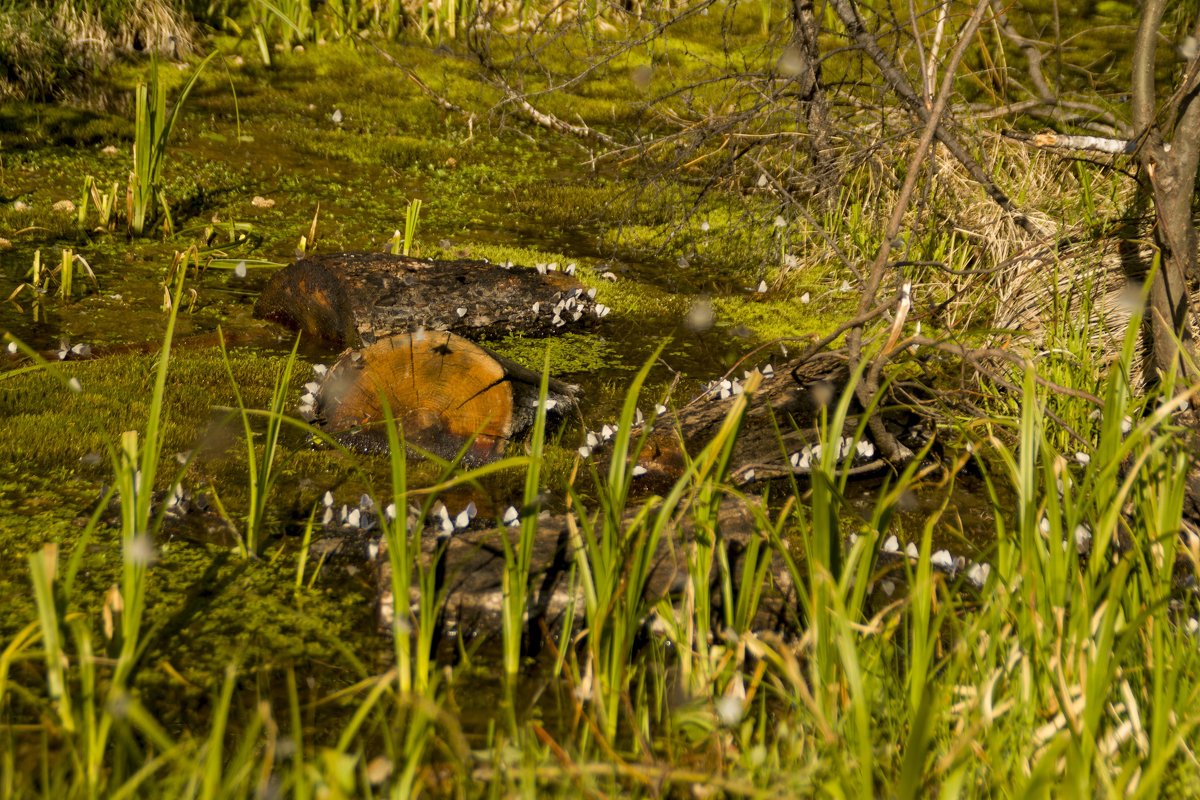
x=471, y=573
x=443, y=390
x=351, y=298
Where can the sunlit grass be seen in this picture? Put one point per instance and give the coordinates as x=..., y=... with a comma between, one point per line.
x=1072, y=672
x=152, y=132
x=1058, y=667
x=261, y=472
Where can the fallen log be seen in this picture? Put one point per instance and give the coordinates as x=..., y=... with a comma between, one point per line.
x=780, y=433
x=471, y=570
x=351, y=298
x=442, y=390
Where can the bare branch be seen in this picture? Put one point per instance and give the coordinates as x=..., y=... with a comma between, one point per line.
x=1094, y=144
x=549, y=121
x=1142, y=79
x=899, y=84
x=440, y=101
x=891, y=447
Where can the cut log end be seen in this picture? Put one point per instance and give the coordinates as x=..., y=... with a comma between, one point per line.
x=442, y=390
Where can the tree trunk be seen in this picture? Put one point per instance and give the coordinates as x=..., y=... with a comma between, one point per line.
x=1169, y=176
x=802, y=60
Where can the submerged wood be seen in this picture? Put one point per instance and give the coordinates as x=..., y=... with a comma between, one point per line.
x=351, y=298
x=471, y=572
x=780, y=433
x=442, y=390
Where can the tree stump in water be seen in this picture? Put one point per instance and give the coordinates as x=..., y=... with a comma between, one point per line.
x=442, y=390
x=348, y=298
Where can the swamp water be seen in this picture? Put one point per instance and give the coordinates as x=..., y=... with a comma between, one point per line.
x=244, y=181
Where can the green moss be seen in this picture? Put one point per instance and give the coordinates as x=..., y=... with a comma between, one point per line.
x=211, y=608
x=44, y=423
x=571, y=353
x=781, y=316
x=489, y=191
x=26, y=125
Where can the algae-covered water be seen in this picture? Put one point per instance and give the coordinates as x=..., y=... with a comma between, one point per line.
x=258, y=154
x=335, y=139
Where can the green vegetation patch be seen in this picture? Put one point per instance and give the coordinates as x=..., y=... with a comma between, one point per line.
x=570, y=353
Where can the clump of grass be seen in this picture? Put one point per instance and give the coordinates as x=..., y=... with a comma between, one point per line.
x=412, y=215
x=518, y=557
x=289, y=20
x=152, y=131
x=37, y=61
x=48, y=48
x=104, y=202
x=40, y=276
x=402, y=243
x=261, y=469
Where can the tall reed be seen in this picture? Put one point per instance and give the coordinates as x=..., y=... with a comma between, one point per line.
x=517, y=558
x=135, y=463
x=152, y=131
x=260, y=467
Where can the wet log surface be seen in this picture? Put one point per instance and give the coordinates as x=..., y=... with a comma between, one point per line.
x=442, y=390
x=780, y=431
x=471, y=573
x=351, y=298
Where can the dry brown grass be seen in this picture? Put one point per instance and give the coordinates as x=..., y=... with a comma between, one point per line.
x=47, y=49
x=1082, y=266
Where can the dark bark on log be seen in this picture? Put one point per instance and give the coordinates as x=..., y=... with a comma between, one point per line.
x=785, y=407
x=472, y=569
x=348, y=298
x=471, y=574
x=780, y=432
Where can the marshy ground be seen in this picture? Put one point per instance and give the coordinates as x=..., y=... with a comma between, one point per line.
x=491, y=189
x=1060, y=669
